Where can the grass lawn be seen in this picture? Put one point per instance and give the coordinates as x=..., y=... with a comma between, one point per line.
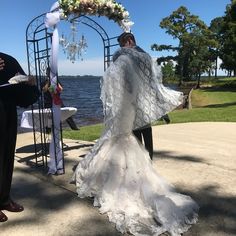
x=215, y=101
x=88, y=133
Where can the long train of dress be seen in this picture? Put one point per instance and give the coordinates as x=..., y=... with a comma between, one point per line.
x=135, y=197
x=118, y=172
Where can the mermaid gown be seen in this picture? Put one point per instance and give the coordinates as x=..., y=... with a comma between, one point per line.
x=118, y=172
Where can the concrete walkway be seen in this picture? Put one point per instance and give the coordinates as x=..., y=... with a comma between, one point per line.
x=198, y=158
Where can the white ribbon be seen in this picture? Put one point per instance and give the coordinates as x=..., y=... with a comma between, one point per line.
x=56, y=163
x=53, y=17
x=54, y=57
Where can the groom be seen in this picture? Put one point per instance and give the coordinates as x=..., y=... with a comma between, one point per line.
x=127, y=40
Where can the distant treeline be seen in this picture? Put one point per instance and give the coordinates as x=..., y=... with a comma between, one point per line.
x=78, y=76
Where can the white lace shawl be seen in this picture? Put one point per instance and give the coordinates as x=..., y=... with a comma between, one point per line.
x=134, y=81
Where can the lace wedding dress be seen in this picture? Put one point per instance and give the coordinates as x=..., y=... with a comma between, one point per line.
x=118, y=172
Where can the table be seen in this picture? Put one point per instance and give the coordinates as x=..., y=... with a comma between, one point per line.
x=55, y=163
x=27, y=121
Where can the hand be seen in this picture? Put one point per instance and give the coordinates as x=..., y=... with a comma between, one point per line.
x=32, y=80
x=1, y=64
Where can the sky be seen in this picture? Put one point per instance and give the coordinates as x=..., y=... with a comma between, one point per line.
x=146, y=15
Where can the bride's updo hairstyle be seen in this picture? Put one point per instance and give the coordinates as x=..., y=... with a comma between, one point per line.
x=123, y=37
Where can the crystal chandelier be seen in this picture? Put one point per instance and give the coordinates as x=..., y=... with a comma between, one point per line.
x=71, y=46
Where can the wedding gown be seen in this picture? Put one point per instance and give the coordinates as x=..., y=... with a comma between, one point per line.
x=118, y=172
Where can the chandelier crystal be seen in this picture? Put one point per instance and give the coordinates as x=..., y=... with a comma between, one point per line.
x=72, y=47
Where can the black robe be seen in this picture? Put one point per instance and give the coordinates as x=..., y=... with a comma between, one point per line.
x=21, y=94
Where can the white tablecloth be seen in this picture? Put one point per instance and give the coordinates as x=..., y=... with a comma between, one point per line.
x=27, y=121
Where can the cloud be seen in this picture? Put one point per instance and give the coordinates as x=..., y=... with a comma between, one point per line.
x=220, y=71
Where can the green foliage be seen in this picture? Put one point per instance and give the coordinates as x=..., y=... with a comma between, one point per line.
x=227, y=38
x=88, y=133
x=199, y=45
x=180, y=23
x=168, y=71
x=195, y=42
x=163, y=47
x=166, y=59
x=214, y=103
x=225, y=113
x=213, y=97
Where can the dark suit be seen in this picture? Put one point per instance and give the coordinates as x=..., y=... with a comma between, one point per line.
x=145, y=135
x=8, y=126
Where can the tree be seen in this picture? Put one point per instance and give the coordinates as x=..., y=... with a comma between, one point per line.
x=216, y=26
x=228, y=40
x=195, y=39
x=168, y=70
x=200, y=61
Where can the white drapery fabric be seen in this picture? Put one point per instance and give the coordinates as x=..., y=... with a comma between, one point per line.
x=118, y=172
x=27, y=119
x=55, y=163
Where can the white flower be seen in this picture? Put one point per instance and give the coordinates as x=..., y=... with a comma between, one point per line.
x=126, y=14
x=109, y=8
x=126, y=25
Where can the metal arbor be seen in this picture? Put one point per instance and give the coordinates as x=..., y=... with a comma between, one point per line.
x=38, y=44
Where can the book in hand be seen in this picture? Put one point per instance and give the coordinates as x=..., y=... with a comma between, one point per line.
x=18, y=79
x=19, y=92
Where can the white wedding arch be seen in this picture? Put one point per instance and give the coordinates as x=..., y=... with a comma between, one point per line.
x=42, y=40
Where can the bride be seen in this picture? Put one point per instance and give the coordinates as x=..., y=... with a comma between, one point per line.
x=118, y=172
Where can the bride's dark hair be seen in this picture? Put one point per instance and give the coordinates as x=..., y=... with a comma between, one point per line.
x=124, y=36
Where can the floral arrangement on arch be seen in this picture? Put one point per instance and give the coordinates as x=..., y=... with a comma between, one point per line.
x=109, y=8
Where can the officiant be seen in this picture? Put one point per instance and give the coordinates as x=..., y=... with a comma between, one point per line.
x=11, y=95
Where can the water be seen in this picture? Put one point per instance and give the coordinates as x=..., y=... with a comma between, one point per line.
x=84, y=94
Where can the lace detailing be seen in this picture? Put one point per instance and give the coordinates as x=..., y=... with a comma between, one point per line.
x=134, y=70
x=118, y=172
x=125, y=186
